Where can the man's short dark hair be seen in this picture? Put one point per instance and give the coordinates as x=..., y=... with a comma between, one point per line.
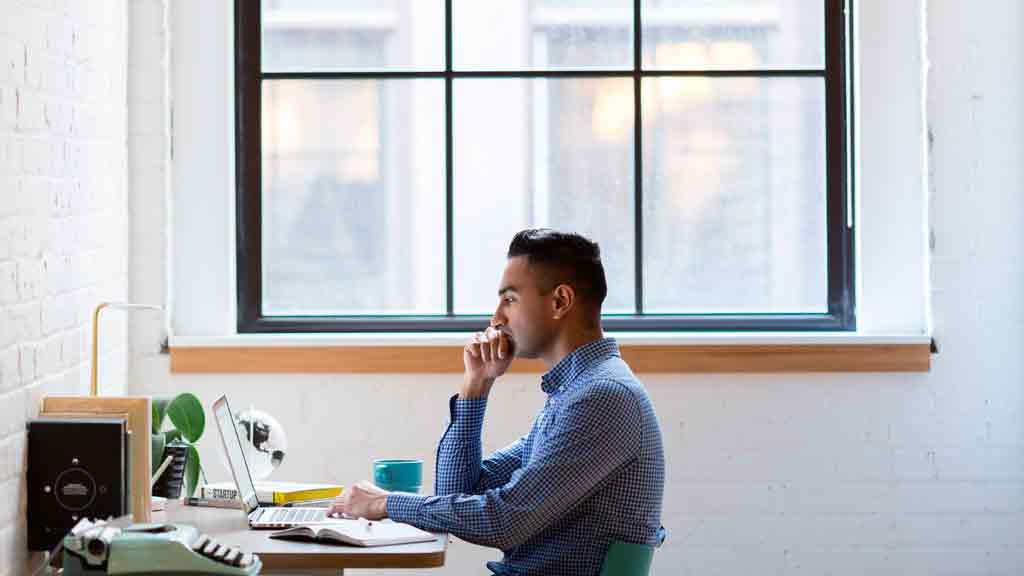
x=564, y=258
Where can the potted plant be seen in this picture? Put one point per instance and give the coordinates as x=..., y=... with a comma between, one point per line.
x=187, y=424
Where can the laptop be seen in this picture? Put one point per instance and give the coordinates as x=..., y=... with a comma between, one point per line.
x=258, y=516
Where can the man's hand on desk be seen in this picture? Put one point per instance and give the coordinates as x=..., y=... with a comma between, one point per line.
x=364, y=500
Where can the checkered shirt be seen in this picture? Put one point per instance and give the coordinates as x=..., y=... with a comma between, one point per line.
x=591, y=470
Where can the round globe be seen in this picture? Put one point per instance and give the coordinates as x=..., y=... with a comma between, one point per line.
x=263, y=440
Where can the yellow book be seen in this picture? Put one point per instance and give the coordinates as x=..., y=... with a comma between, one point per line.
x=276, y=493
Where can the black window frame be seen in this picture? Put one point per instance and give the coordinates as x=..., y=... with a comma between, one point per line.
x=841, y=314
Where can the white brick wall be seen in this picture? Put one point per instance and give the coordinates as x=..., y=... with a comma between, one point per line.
x=63, y=217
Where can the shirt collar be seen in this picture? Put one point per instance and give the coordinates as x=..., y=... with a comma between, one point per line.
x=569, y=368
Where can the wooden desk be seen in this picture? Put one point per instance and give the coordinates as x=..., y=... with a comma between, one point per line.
x=283, y=556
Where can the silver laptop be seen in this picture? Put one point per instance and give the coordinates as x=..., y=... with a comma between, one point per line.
x=259, y=516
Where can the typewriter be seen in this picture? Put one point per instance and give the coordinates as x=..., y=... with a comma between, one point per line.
x=100, y=548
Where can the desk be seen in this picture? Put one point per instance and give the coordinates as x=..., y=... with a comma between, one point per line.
x=283, y=556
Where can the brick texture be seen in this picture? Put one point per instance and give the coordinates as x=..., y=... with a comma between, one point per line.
x=63, y=216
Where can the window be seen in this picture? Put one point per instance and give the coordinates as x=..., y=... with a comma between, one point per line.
x=387, y=151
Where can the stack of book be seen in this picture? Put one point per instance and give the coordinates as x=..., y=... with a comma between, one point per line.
x=225, y=495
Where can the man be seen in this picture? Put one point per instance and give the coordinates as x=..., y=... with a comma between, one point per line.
x=590, y=471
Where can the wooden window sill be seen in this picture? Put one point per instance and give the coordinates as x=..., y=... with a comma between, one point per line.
x=767, y=357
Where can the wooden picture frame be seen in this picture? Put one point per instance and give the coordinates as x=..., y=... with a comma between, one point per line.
x=138, y=415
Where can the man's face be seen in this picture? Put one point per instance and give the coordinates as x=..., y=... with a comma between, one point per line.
x=524, y=312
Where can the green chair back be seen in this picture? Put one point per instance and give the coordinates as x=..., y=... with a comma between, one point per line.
x=625, y=559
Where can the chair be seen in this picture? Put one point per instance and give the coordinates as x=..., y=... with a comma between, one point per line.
x=626, y=559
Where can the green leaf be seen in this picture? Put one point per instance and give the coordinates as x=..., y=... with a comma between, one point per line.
x=158, y=450
x=159, y=404
x=186, y=412
x=191, y=471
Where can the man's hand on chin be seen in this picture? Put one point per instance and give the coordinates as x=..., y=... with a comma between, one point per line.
x=486, y=356
x=364, y=500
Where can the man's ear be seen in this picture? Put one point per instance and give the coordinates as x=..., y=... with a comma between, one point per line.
x=562, y=301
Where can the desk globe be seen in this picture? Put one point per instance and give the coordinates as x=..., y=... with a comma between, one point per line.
x=263, y=440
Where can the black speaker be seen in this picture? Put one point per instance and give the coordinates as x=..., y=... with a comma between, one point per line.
x=77, y=468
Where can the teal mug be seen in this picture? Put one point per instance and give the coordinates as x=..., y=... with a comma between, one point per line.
x=398, y=475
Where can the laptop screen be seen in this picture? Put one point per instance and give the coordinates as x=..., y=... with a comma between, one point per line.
x=233, y=449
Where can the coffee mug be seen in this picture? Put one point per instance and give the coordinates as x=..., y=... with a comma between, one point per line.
x=398, y=475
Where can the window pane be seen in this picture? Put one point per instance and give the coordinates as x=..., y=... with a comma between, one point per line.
x=353, y=197
x=333, y=35
x=733, y=34
x=542, y=34
x=734, y=195
x=544, y=152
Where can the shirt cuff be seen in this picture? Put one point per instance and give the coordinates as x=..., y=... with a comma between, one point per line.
x=403, y=507
x=467, y=415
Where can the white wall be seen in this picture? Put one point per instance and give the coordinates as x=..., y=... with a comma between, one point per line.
x=149, y=156
x=790, y=474
x=63, y=219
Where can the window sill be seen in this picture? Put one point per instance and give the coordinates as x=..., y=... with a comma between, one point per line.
x=645, y=352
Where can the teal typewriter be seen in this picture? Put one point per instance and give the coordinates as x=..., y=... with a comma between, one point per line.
x=101, y=548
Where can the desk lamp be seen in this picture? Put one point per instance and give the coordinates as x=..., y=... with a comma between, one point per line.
x=93, y=391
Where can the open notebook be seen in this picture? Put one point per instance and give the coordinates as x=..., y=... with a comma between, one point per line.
x=357, y=532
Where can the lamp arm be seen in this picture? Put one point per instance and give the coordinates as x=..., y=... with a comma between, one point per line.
x=95, y=339
x=93, y=388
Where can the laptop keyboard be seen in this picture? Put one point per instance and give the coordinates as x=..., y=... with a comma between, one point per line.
x=298, y=515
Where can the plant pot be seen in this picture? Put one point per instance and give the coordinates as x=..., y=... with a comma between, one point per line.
x=170, y=482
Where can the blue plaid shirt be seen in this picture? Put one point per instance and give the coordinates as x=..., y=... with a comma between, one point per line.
x=590, y=471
